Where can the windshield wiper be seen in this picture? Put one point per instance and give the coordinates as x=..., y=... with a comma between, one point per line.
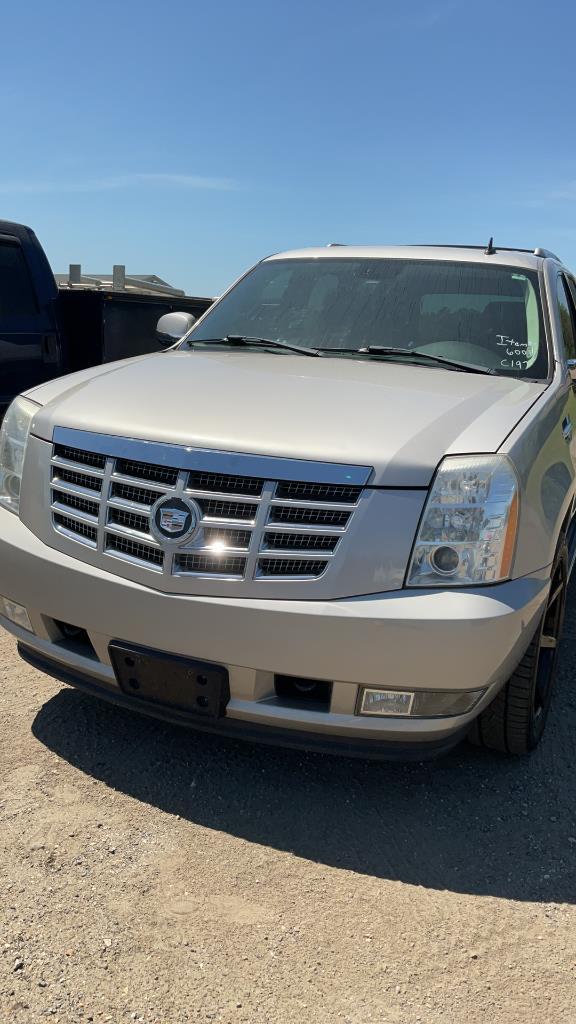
x=246, y=340
x=410, y=353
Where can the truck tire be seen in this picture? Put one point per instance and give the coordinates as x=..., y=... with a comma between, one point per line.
x=515, y=720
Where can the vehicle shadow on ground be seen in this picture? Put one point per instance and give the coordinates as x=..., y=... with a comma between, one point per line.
x=471, y=822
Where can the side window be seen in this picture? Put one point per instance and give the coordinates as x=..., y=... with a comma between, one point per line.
x=566, y=319
x=16, y=292
x=572, y=291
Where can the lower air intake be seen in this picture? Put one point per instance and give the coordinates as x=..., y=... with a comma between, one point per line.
x=199, y=565
x=307, y=567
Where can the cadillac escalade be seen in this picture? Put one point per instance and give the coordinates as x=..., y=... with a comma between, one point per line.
x=337, y=513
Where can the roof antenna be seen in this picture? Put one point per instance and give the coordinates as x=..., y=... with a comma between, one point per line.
x=489, y=250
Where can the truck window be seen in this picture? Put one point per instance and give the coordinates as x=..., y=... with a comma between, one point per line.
x=566, y=319
x=17, y=296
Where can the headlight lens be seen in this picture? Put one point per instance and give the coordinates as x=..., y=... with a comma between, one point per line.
x=13, y=438
x=468, y=529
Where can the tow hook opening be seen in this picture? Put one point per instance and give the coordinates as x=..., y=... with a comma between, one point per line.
x=301, y=692
x=75, y=639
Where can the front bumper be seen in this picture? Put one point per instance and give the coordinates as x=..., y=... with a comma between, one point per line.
x=239, y=729
x=445, y=640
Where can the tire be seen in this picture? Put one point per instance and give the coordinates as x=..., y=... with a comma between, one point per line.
x=515, y=720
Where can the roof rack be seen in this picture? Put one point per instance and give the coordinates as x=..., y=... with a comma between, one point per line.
x=489, y=250
x=545, y=253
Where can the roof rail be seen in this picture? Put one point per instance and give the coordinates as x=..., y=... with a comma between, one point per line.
x=547, y=254
x=451, y=245
x=489, y=250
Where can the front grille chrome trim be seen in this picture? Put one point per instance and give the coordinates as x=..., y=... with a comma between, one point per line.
x=246, y=531
x=75, y=456
x=213, y=460
x=276, y=566
x=77, y=467
x=230, y=496
x=123, y=546
x=73, y=486
x=76, y=529
x=207, y=566
x=150, y=485
x=303, y=492
x=275, y=542
x=74, y=513
x=326, y=506
x=126, y=531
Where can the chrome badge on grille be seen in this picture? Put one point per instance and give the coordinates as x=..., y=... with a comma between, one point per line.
x=174, y=519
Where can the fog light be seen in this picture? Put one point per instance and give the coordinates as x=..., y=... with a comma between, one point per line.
x=386, y=702
x=418, y=704
x=16, y=613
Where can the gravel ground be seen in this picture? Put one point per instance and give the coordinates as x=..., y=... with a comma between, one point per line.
x=151, y=874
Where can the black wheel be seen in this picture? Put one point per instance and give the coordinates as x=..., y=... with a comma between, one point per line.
x=514, y=722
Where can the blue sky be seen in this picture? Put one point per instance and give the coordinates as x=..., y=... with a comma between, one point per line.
x=189, y=139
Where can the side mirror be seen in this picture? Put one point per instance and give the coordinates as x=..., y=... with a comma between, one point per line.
x=173, y=326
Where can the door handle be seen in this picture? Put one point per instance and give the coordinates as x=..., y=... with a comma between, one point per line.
x=50, y=349
x=567, y=429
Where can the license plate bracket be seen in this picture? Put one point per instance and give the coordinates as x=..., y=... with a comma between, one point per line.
x=200, y=688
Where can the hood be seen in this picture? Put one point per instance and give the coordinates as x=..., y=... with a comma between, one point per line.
x=399, y=419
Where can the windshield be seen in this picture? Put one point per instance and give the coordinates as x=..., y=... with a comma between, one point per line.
x=464, y=312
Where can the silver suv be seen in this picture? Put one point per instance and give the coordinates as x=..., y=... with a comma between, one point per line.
x=336, y=513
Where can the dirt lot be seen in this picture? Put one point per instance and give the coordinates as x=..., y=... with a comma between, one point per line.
x=155, y=875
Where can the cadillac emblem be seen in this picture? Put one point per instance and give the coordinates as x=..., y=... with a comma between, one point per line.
x=174, y=519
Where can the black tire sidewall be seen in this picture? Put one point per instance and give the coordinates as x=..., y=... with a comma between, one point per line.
x=510, y=724
x=537, y=723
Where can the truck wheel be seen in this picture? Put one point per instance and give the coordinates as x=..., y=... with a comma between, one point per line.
x=514, y=722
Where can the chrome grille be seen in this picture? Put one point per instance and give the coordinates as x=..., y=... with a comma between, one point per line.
x=300, y=541
x=134, y=521
x=63, y=498
x=133, y=549
x=229, y=538
x=199, y=565
x=317, y=492
x=250, y=527
x=225, y=484
x=308, y=516
x=71, y=476
x=291, y=567
x=146, y=471
x=128, y=492
x=76, y=456
x=227, y=509
x=82, y=531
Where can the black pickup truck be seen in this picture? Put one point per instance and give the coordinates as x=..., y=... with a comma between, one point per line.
x=46, y=331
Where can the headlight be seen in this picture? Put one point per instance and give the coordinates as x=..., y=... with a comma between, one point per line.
x=13, y=438
x=468, y=529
